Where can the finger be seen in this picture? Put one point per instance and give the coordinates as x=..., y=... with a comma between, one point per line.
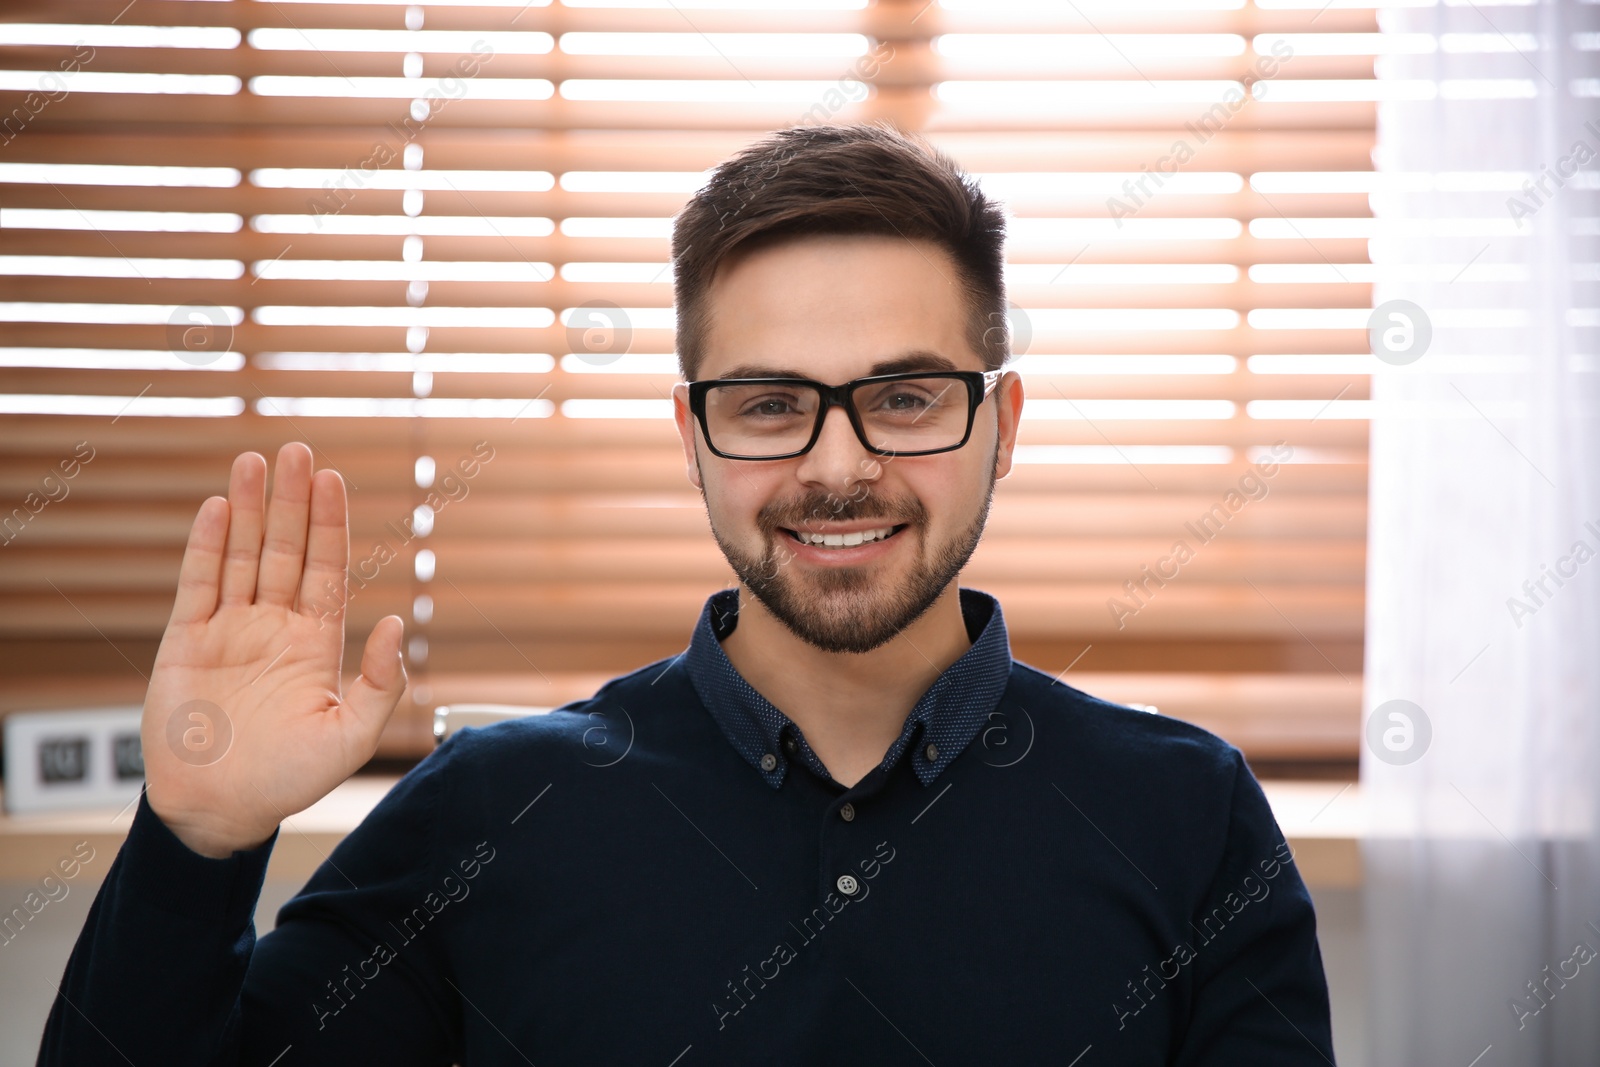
x=247, y=494
x=373, y=695
x=283, y=548
x=202, y=563
x=323, y=587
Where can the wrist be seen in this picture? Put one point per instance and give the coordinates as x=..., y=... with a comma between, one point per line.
x=207, y=838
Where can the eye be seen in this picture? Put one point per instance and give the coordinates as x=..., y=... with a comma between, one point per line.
x=770, y=406
x=904, y=401
x=901, y=401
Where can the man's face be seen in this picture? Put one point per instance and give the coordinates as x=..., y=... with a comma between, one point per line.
x=834, y=308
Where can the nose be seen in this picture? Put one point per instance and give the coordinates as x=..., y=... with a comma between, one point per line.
x=838, y=461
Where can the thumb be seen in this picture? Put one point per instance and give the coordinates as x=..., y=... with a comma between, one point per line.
x=375, y=693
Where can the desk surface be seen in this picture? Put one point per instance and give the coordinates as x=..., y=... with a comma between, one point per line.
x=1323, y=821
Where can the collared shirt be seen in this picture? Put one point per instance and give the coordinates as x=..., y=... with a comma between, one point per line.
x=947, y=716
x=629, y=879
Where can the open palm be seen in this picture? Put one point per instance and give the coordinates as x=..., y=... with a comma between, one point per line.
x=244, y=722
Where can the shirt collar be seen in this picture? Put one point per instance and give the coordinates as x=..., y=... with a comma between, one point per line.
x=948, y=715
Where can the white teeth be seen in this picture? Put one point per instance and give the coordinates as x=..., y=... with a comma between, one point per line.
x=846, y=540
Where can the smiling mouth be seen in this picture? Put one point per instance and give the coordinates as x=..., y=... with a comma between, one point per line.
x=845, y=540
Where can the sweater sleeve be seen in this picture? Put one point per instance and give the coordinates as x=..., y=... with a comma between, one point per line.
x=168, y=969
x=1261, y=993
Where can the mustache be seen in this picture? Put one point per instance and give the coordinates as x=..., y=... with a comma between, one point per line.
x=816, y=509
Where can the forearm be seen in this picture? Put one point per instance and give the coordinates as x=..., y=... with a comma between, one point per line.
x=158, y=969
x=168, y=970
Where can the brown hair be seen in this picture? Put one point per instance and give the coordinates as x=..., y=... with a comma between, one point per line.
x=841, y=179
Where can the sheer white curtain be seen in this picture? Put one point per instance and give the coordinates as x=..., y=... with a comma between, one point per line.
x=1483, y=888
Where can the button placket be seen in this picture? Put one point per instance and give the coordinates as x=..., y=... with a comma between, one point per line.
x=838, y=879
x=842, y=846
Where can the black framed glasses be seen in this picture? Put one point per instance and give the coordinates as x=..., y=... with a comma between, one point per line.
x=917, y=413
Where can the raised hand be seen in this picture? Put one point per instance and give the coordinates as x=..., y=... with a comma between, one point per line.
x=244, y=722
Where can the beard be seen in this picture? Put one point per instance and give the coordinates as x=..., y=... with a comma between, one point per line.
x=850, y=609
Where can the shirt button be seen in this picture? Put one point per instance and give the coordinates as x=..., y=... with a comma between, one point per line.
x=769, y=762
x=848, y=812
x=848, y=885
x=931, y=753
x=789, y=745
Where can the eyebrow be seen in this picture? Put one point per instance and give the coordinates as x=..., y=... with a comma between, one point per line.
x=917, y=359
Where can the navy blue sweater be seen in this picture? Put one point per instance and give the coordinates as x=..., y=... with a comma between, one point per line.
x=666, y=874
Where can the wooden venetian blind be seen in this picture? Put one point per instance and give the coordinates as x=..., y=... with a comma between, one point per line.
x=432, y=242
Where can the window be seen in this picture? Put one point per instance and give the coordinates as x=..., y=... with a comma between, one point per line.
x=432, y=242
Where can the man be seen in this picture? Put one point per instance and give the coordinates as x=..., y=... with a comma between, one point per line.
x=845, y=826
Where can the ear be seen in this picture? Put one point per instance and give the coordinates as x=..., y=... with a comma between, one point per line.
x=1009, y=388
x=686, y=431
